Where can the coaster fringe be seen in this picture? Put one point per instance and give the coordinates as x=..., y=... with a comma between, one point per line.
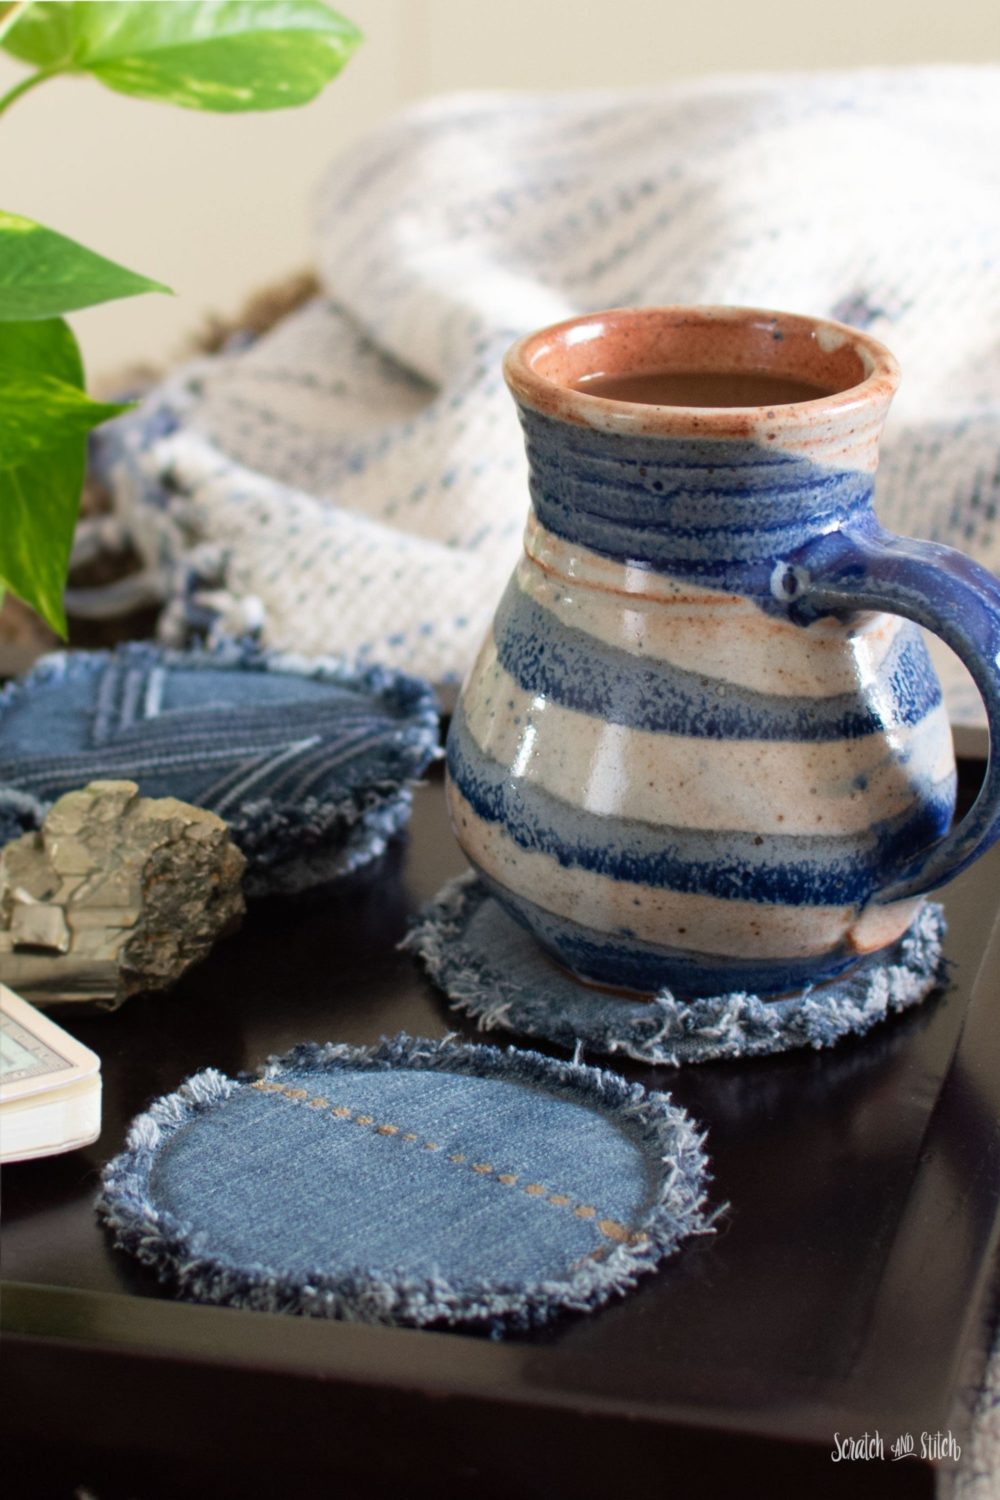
x=493, y=971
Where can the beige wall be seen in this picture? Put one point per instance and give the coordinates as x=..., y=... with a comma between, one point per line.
x=217, y=206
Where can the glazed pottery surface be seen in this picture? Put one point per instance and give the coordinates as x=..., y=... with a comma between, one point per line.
x=703, y=747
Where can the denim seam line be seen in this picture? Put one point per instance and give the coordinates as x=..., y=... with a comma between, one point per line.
x=610, y=1228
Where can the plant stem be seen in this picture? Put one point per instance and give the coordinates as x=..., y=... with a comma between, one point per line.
x=32, y=81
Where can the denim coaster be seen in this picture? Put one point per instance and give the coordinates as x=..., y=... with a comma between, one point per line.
x=493, y=970
x=418, y=1182
x=307, y=761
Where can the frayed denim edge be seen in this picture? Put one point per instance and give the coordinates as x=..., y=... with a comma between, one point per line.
x=370, y=827
x=665, y=1031
x=266, y=834
x=364, y=831
x=182, y=1259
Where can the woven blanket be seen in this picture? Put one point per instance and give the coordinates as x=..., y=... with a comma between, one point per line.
x=354, y=480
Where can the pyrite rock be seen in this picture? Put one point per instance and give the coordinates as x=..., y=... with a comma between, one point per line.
x=116, y=893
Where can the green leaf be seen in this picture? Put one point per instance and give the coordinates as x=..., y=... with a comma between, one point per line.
x=48, y=346
x=229, y=55
x=38, y=504
x=43, y=454
x=47, y=35
x=43, y=274
x=42, y=35
x=10, y=13
x=38, y=411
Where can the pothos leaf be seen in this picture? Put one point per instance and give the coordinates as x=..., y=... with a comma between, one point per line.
x=43, y=273
x=44, y=419
x=10, y=13
x=226, y=55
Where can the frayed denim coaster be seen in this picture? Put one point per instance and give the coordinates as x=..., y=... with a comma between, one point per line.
x=308, y=761
x=417, y=1182
x=493, y=970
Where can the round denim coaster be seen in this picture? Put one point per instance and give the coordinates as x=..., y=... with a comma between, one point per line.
x=417, y=1182
x=307, y=761
x=493, y=970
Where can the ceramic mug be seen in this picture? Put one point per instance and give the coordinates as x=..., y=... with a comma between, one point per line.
x=703, y=746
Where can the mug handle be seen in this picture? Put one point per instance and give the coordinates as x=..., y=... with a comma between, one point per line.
x=870, y=568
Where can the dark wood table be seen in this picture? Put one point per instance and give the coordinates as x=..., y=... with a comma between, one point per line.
x=847, y=1291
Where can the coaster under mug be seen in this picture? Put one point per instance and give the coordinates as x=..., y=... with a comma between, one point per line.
x=492, y=970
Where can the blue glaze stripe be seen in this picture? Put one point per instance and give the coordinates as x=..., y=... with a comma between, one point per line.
x=699, y=509
x=578, y=671
x=742, y=497
x=785, y=870
x=630, y=963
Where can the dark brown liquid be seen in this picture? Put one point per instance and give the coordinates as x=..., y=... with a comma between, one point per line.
x=702, y=388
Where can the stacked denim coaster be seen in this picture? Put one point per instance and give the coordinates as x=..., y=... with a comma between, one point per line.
x=419, y=1182
x=309, y=762
x=493, y=970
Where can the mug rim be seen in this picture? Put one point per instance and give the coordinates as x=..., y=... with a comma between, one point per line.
x=568, y=402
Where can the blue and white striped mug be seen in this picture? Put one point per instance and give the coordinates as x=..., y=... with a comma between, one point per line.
x=703, y=746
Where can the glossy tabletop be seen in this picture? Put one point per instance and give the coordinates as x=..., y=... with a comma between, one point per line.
x=847, y=1288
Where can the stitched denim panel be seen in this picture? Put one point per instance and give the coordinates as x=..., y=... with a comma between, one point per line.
x=274, y=1180
x=308, y=762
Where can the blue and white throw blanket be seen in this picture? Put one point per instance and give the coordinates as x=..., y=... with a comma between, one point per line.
x=354, y=481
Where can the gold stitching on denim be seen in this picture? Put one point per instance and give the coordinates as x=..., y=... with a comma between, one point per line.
x=610, y=1228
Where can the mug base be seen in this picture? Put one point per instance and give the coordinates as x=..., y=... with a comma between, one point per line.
x=492, y=968
x=649, y=997
x=618, y=964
